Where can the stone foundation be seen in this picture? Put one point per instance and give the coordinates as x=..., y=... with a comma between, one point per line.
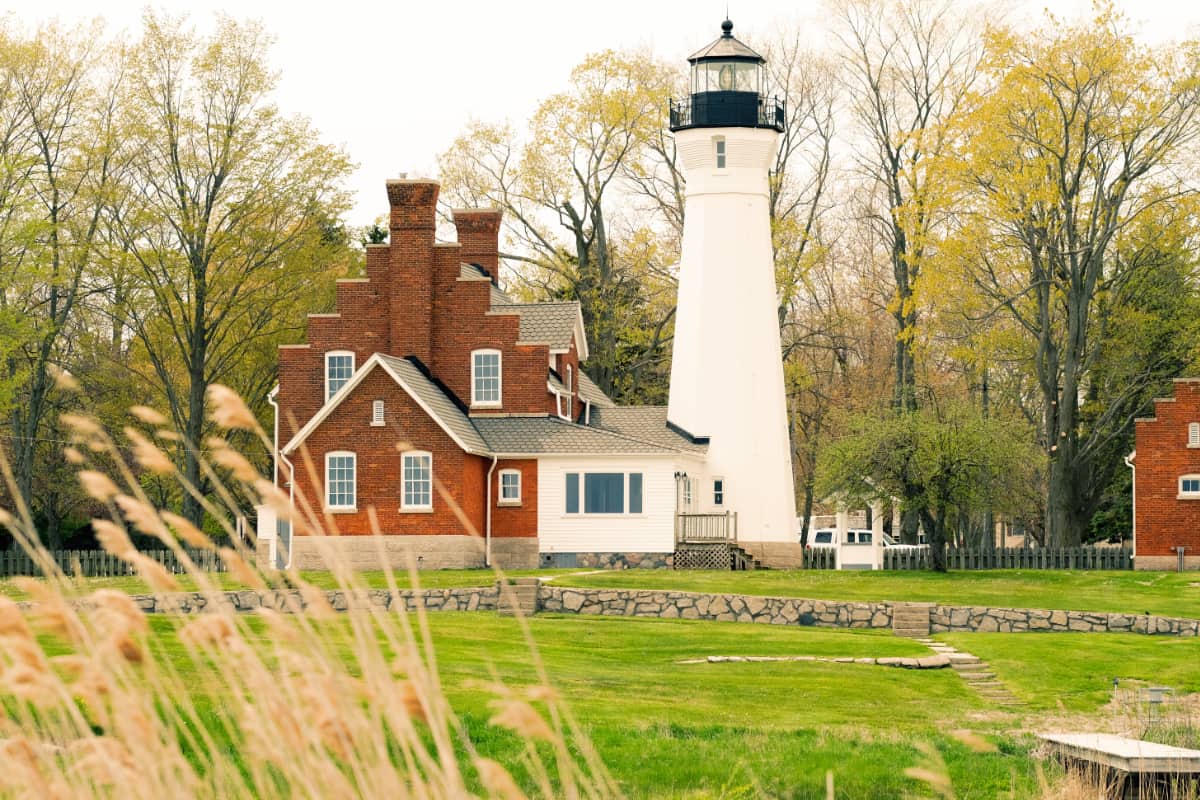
x=625, y=560
x=364, y=553
x=1168, y=563
x=511, y=553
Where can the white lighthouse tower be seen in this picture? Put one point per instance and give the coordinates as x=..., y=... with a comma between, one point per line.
x=727, y=367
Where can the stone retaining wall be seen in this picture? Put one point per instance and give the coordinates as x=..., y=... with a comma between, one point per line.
x=684, y=605
x=840, y=614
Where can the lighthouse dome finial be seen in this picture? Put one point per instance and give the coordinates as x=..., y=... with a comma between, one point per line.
x=727, y=29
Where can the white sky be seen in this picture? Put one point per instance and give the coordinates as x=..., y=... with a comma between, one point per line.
x=394, y=82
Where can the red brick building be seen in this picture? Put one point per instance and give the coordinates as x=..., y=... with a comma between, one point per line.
x=437, y=410
x=1166, y=481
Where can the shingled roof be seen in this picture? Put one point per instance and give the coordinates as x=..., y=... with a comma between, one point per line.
x=476, y=272
x=549, y=435
x=645, y=423
x=591, y=393
x=545, y=323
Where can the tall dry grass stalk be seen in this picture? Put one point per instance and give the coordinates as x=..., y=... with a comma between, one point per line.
x=97, y=701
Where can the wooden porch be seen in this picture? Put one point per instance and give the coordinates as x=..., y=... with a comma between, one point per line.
x=706, y=528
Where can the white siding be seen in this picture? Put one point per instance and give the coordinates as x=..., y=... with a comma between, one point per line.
x=652, y=531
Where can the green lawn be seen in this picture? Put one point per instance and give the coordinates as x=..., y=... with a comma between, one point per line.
x=1166, y=593
x=434, y=579
x=1075, y=671
x=668, y=730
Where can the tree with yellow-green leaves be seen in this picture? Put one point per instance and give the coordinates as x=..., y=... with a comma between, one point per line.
x=229, y=206
x=1071, y=172
x=559, y=187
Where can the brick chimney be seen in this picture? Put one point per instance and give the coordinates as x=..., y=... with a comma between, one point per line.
x=479, y=235
x=413, y=221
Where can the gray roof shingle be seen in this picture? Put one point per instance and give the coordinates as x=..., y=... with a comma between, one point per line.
x=590, y=392
x=442, y=407
x=645, y=423
x=475, y=272
x=545, y=323
x=548, y=435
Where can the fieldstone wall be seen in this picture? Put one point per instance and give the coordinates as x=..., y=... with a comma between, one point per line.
x=944, y=619
x=625, y=560
x=727, y=607
x=291, y=601
x=841, y=614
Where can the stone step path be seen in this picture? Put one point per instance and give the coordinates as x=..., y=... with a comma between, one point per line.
x=519, y=598
x=975, y=672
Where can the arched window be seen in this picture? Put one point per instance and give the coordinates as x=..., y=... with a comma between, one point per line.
x=341, y=481
x=339, y=367
x=417, y=491
x=485, y=378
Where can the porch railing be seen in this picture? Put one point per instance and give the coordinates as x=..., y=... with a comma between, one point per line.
x=706, y=527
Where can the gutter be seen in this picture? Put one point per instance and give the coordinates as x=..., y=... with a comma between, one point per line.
x=487, y=525
x=1133, y=490
x=279, y=456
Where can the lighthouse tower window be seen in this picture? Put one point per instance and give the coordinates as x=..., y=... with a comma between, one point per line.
x=720, y=153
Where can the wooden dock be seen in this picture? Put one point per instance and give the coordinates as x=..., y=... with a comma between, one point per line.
x=1131, y=767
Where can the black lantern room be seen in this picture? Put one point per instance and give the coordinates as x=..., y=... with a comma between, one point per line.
x=729, y=89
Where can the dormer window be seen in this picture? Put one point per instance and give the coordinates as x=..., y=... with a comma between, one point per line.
x=339, y=367
x=485, y=378
x=1193, y=434
x=720, y=144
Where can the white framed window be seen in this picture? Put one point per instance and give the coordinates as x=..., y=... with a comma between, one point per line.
x=718, y=491
x=1194, y=434
x=377, y=409
x=510, y=487
x=417, y=492
x=1189, y=486
x=339, y=367
x=687, y=493
x=720, y=147
x=341, y=481
x=485, y=378
x=604, y=492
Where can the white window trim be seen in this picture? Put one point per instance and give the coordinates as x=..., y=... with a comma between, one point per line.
x=570, y=392
x=584, y=514
x=404, y=505
x=331, y=354
x=724, y=492
x=499, y=379
x=501, y=500
x=378, y=409
x=1193, y=439
x=1187, y=495
x=341, y=454
x=720, y=152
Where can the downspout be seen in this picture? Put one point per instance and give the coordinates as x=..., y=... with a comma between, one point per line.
x=275, y=474
x=487, y=525
x=1133, y=490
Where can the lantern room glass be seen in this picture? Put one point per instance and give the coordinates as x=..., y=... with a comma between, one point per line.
x=728, y=76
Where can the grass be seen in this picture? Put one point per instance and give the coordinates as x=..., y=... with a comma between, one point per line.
x=432, y=579
x=1165, y=593
x=666, y=729
x=1075, y=671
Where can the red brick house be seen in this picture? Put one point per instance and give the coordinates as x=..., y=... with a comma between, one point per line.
x=463, y=419
x=1166, y=481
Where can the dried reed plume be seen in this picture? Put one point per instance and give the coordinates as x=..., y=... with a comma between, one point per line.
x=101, y=697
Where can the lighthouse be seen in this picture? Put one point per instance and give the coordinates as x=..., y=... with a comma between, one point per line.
x=727, y=366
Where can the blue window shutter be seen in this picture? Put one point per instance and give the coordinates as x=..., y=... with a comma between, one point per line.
x=635, y=493
x=572, y=492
